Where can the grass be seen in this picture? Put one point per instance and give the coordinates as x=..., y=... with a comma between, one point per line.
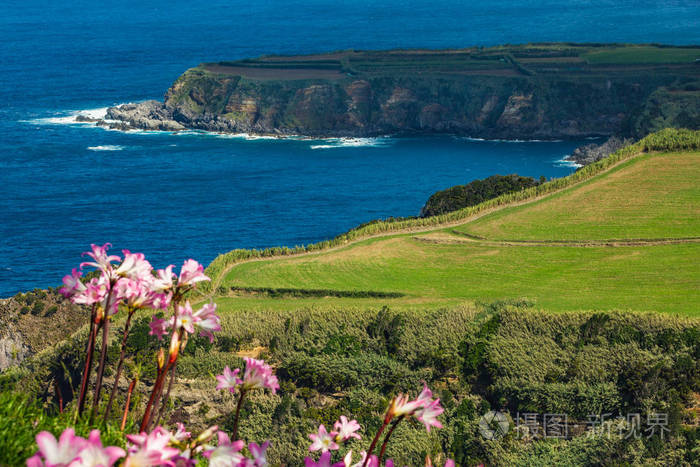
x=661, y=278
x=635, y=200
x=650, y=196
x=641, y=54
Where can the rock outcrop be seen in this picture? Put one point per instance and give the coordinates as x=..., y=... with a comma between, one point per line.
x=396, y=96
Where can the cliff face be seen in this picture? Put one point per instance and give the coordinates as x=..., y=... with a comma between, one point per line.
x=502, y=101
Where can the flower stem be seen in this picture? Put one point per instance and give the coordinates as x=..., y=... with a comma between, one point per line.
x=164, y=402
x=386, y=438
x=128, y=401
x=101, y=368
x=238, y=413
x=387, y=419
x=154, y=394
x=88, y=360
x=121, y=363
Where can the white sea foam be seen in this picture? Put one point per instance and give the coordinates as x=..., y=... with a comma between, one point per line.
x=469, y=138
x=70, y=117
x=106, y=147
x=333, y=143
x=563, y=162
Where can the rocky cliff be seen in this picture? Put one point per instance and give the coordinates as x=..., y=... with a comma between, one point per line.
x=532, y=92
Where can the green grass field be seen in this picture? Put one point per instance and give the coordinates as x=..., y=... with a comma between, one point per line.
x=633, y=201
x=641, y=54
x=652, y=197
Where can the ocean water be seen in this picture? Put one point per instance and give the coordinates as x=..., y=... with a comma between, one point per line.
x=175, y=196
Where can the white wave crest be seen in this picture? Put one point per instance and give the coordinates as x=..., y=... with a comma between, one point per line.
x=333, y=143
x=70, y=117
x=564, y=162
x=106, y=147
x=469, y=138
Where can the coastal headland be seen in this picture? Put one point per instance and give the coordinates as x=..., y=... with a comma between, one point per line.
x=533, y=91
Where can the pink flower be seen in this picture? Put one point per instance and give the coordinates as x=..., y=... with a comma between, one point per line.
x=226, y=453
x=159, y=327
x=181, y=434
x=323, y=461
x=136, y=293
x=400, y=405
x=428, y=414
x=95, y=292
x=323, y=440
x=430, y=409
x=185, y=320
x=347, y=460
x=346, y=429
x=95, y=455
x=258, y=374
x=134, y=266
x=164, y=279
x=229, y=380
x=71, y=284
x=191, y=273
x=259, y=454
x=448, y=462
x=57, y=453
x=101, y=260
x=207, y=321
x=151, y=449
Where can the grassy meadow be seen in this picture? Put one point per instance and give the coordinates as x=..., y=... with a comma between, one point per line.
x=632, y=236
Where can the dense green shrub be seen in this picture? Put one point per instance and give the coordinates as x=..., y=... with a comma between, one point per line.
x=475, y=192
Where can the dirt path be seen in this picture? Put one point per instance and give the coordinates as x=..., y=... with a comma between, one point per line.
x=454, y=237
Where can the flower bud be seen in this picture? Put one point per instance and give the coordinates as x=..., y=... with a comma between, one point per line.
x=160, y=358
x=207, y=434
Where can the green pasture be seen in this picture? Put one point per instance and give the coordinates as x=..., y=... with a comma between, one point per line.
x=652, y=197
x=649, y=197
x=642, y=54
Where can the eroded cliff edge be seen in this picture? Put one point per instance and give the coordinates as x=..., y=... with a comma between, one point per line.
x=544, y=91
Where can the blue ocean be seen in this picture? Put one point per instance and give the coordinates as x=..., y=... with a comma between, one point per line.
x=174, y=196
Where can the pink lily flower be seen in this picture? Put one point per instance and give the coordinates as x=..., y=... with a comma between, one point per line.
x=347, y=460
x=181, y=434
x=229, y=380
x=323, y=441
x=159, y=327
x=430, y=409
x=71, y=284
x=207, y=321
x=226, y=453
x=95, y=455
x=101, y=260
x=164, y=279
x=400, y=405
x=346, y=429
x=151, y=449
x=53, y=453
x=95, y=292
x=134, y=266
x=258, y=374
x=428, y=414
x=323, y=461
x=191, y=273
x=259, y=454
x=185, y=319
x=448, y=462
